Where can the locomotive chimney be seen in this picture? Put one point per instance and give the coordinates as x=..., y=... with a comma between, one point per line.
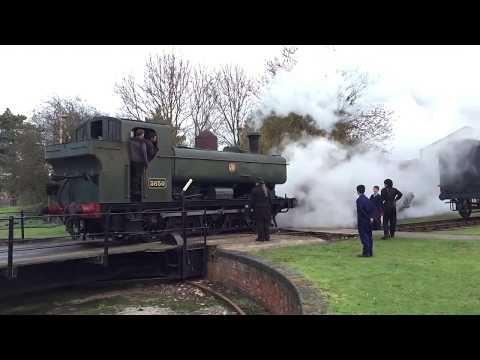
x=254, y=142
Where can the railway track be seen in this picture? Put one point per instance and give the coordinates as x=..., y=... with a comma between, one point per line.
x=219, y=296
x=224, y=299
x=319, y=234
x=438, y=225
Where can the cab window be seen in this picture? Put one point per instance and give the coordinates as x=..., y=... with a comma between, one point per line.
x=105, y=129
x=113, y=129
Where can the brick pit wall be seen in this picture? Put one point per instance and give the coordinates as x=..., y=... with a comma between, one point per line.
x=281, y=291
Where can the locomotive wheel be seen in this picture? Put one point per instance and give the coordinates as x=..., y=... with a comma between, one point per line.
x=464, y=208
x=151, y=222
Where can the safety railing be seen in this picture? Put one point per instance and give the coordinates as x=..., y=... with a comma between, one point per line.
x=14, y=227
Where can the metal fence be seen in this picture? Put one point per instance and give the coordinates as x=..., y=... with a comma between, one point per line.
x=25, y=221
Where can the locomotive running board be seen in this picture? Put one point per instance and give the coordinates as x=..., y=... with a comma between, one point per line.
x=201, y=212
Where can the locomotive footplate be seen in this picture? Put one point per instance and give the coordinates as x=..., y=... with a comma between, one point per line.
x=277, y=203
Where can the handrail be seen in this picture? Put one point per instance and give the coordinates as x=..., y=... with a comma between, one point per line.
x=107, y=234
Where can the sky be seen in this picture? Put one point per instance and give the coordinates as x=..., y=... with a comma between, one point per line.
x=31, y=74
x=433, y=90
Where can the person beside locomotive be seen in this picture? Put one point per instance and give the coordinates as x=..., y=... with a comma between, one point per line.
x=390, y=196
x=261, y=203
x=138, y=163
x=376, y=199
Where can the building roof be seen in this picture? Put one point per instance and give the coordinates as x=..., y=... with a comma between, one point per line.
x=465, y=129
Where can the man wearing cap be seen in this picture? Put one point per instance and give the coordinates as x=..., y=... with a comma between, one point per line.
x=138, y=164
x=261, y=203
x=390, y=196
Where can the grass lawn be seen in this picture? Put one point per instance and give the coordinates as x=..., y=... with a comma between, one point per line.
x=405, y=276
x=44, y=232
x=41, y=229
x=9, y=209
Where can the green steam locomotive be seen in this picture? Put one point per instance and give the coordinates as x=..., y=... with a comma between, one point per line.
x=91, y=177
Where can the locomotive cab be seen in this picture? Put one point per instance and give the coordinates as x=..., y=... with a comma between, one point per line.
x=100, y=150
x=81, y=168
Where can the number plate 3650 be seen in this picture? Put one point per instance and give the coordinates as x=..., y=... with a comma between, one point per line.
x=157, y=183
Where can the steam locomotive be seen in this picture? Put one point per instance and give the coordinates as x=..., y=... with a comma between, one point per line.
x=91, y=177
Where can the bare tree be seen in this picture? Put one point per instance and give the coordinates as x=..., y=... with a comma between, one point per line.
x=203, y=101
x=352, y=88
x=57, y=117
x=367, y=124
x=372, y=127
x=358, y=122
x=134, y=104
x=286, y=61
x=164, y=93
x=235, y=92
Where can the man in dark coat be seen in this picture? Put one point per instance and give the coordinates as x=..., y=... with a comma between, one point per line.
x=365, y=214
x=390, y=196
x=376, y=199
x=152, y=147
x=261, y=203
x=138, y=164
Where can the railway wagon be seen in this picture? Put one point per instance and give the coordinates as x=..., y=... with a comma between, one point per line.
x=459, y=170
x=91, y=176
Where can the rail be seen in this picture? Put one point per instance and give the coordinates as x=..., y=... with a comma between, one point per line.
x=438, y=225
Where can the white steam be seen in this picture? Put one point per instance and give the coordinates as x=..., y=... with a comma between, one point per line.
x=323, y=175
x=310, y=88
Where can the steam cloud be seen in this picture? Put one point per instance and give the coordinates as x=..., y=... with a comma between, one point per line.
x=323, y=175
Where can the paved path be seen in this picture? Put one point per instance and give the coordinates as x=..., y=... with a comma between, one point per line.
x=248, y=243
x=330, y=230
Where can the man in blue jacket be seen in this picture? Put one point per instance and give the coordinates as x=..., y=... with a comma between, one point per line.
x=376, y=199
x=365, y=214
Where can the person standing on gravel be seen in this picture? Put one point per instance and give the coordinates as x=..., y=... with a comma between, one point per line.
x=261, y=203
